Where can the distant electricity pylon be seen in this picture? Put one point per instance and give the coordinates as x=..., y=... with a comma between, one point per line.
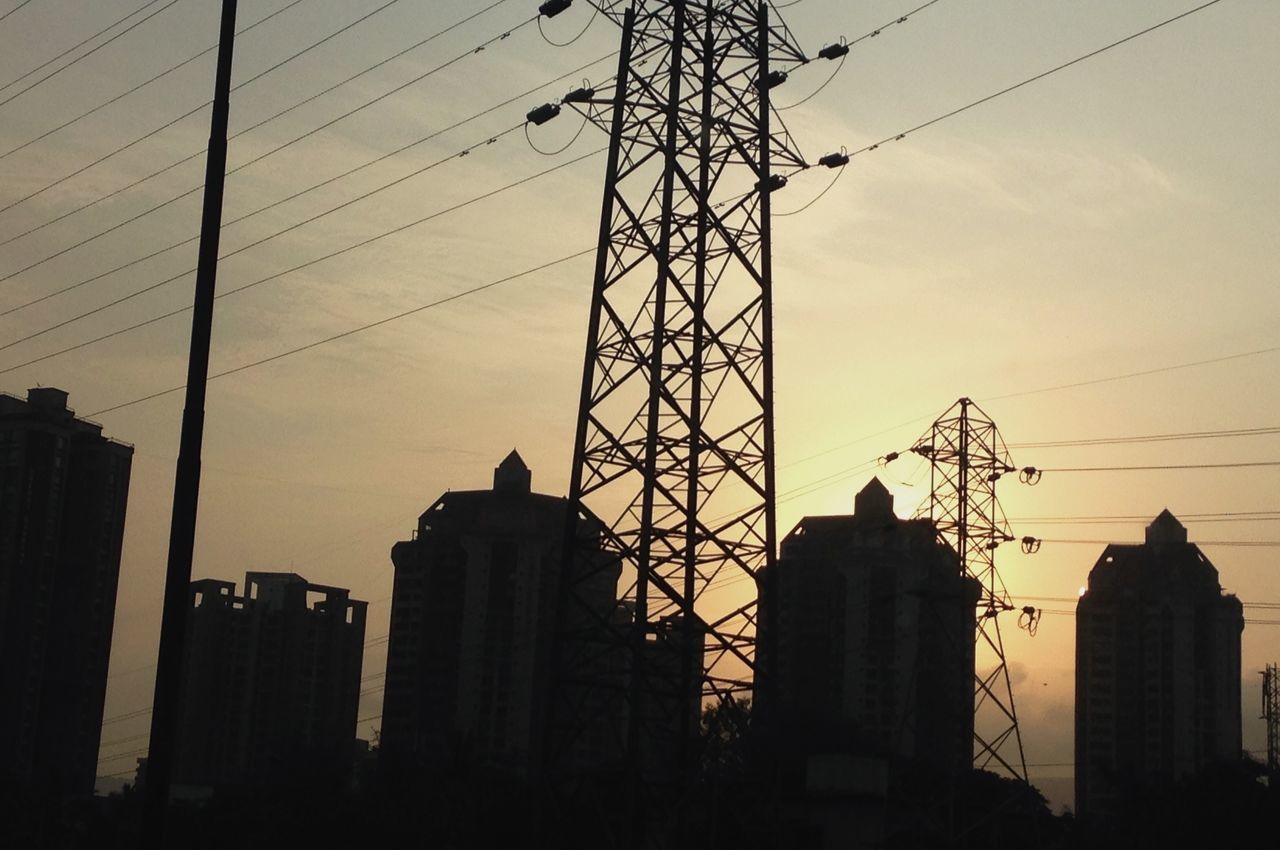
x=967, y=457
x=1271, y=715
x=674, y=446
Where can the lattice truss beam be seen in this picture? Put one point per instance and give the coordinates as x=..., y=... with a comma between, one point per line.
x=674, y=445
x=967, y=457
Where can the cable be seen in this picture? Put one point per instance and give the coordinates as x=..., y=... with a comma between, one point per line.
x=1266, y=605
x=99, y=161
x=89, y=53
x=902, y=135
x=274, y=150
x=312, y=188
x=1205, y=517
x=1209, y=362
x=145, y=83
x=369, y=643
x=1151, y=438
x=595, y=10
x=354, y=331
x=558, y=151
x=14, y=9
x=839, y=67
x=77, y=46
x=243, y=248
x=1140, y=520
x=306, y=264
x=901, y=19
x=1242, y=543
x=1161, y=467
x=128, y=740
x=839, y=173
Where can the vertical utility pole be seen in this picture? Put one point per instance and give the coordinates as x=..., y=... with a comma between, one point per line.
x=672, y=482
x=968, y=457
x=1271, y=716
x=186, y=489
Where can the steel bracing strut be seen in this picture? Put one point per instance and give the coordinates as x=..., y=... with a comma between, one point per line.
x=967, y=458
x=672, y=483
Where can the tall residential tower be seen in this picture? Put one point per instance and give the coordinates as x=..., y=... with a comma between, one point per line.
x=866, y=639
x=1157, y=669
x=270, y=683
x=63, y=491
x=474, y=630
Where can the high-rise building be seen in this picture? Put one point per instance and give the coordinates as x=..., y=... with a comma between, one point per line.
x=474, y=628
x=63, y=492
x=1157, y=669
x=270, y=683
x=866, y=639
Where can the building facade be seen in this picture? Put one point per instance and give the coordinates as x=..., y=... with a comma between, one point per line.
x=1157, y=669
x=867, y=640
x=473, y=629
x=63, y=493
x=270, y=683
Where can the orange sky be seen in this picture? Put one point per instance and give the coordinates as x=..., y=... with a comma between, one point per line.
x=1115, y=218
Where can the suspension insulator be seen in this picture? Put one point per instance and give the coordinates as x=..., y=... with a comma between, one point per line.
x=551, y=8
x=543, y=114
x=773, y=184
x=834, y=51
x=772, y=81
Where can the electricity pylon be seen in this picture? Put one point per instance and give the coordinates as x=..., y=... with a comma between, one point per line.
x=967, y=457
x=672, y=485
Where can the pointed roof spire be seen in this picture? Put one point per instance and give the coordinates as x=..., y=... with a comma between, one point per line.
x=873, y=502
x=512, y=475
x=1165, y=528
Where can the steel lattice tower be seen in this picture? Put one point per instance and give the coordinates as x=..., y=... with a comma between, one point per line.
x=1271, y=715
x=968, y=457
x=672, y=485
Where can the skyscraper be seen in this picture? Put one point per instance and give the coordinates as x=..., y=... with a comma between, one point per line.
x=1157, y=669
x=63, y=493
x=473, y=627
x=270, y=683
x=866, y=639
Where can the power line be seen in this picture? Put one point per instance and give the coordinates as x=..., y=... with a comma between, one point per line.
x=14, y=9
x=294, y=196
x=90, y=52
x=1151, y=438
x=1009, y=89
x=1135, y=520
x=145, y=83
x=1142, y=374
x=1266, y=605
x=99, y=161
x=262, y=240
x=1203, y=517
x=368, y=644
x=77, y=46
x=249, y=129
x=1248, y=622
x=309, y=263
x=1261, y=544
x=1157, y=467
x=353, y=331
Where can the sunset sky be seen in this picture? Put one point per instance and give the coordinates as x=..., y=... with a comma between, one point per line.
x=1119, y=218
